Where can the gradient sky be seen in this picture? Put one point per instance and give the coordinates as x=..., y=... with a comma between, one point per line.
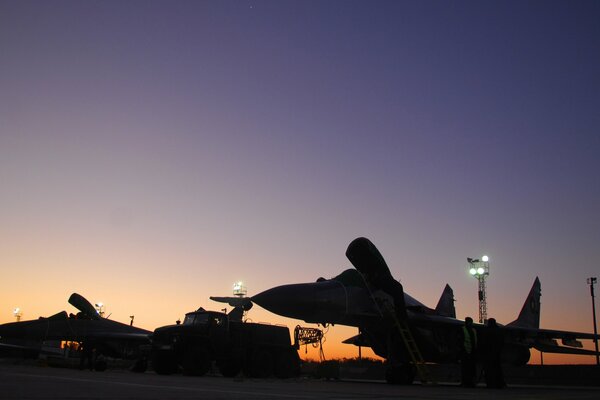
x=152, y=153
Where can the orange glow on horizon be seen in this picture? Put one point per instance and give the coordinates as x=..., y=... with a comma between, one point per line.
x=162, y=299
x=333, y=347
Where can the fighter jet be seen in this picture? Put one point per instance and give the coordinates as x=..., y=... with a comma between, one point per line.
x=368, y=297
x=87, y=328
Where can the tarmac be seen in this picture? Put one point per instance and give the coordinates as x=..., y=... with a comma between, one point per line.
x=20, y=381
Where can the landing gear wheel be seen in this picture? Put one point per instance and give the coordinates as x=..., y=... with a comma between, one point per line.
x=400, y=374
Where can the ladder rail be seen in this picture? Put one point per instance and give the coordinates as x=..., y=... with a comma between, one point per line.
x=411, y=346
x=406, y=335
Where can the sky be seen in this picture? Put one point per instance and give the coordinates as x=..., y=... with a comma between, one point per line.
x=152, y=153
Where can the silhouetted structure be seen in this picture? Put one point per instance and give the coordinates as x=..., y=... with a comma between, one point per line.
x=468, y=349
x=492, y=345
x=109, y=338
x=361, y=297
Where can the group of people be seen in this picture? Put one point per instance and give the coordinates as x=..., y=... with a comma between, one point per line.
x=488, y=348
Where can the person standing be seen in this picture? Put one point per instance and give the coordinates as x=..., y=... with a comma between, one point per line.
x=468, y=347
x=86, y=354
x=493, y=344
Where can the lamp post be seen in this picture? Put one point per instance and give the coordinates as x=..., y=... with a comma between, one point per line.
x=239, y=290
x=592, y=281
x=100, y=308
x=18, y=314
x=480, y=269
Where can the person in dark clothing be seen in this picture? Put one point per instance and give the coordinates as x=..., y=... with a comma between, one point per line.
x=468, y=347
x=493, y=344
x=87, y=354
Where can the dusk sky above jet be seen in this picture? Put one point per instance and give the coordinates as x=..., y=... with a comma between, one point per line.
x=154, y=153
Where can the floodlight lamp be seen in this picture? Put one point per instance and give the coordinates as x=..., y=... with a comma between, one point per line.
x=16, y=311
x=485, y=258
x=239, y=289
x=100, y=304
x=480, y=271
x=472, y=271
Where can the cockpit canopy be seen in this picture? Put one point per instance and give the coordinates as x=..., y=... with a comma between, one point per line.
x=205, y=318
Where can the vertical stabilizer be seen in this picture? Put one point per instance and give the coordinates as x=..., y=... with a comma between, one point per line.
x=445, y=306
x=530, y=313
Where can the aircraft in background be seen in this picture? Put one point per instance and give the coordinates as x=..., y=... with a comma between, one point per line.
x=368, y=297
x=87, y=328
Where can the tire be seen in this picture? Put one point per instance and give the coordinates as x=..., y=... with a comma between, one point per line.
x=261, y=364
x=196, y=362
x=400, y=374
x=140, y=365
x=287, y=364
x=230, y=368
x=164, y=363
x=100, y=365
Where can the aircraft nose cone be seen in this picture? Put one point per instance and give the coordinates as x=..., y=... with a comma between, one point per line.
x=306, y=301
x=283, y=300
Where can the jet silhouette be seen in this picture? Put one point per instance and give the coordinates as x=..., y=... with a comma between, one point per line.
x=368, y=297
x=109, y=338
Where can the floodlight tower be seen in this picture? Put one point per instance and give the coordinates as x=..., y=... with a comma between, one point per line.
x=592, y=281
x=18, y=314
x=480, y=269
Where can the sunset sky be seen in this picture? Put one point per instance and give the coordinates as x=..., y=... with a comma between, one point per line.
x=152, y=153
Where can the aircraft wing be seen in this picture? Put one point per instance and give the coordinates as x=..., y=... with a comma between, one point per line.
x=358, y=340
x=549, y=348
x=552, y=334
x=546, y=340
x=14, y=346
x=99, y=335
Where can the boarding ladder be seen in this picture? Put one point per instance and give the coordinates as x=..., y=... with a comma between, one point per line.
x=410, y=345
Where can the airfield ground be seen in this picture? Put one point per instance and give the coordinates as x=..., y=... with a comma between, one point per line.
x=31, y=381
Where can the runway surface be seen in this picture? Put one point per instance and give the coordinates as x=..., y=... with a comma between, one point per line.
x=36, y=382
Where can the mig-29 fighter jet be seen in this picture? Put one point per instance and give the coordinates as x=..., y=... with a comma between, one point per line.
x=368, y=297
x=87, y=328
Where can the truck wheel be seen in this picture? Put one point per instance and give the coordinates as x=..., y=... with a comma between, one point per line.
x=140, y=365
x=100, y=364
x=164, y=363
x=196, y=362
x=287, y=364
x=261, y=364
x=230, y=367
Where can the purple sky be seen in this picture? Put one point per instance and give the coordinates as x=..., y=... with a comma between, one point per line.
x=175, y=147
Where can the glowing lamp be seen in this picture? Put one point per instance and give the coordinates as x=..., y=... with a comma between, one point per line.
x=239, y=289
